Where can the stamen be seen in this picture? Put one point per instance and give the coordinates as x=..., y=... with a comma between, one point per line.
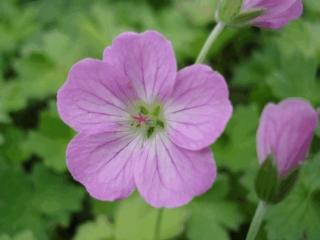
x=156, y=111
x=160, y=123
x=143, y=110
x=150, y=131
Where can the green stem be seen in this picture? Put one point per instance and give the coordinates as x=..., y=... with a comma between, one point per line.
x=256, y=221
x=212, y=37
x=158, y=224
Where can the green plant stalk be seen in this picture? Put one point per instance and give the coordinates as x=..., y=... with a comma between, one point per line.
x=157, y=228
x=257, y=220
x=217, y=30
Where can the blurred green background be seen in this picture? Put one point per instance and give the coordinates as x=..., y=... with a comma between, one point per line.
x=40, y=40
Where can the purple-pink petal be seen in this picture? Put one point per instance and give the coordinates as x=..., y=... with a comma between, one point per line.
x=285, y=132
x=94, y=97
x=147, y=60
x=277, y=5
x=277, y=13
x=104, y=163
x=113, y=154
x=169, y=176
x=199, y=108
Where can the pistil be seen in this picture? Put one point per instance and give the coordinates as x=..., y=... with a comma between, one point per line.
x=148, y=119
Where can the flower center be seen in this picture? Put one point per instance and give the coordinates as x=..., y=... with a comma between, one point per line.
x=147, y=119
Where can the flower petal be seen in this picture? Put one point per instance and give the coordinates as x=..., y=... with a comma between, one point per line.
x=272, y=6
x=146, y=59
x=199, y=108
x=286, y=130
x=277, y=13
x=169, y=176
x=267, y=132
x=275, y=22
x=103, y=163
x=95, y=96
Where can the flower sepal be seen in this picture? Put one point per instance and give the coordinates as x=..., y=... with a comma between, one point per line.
x=228, y=9
x=244, y=18
x=286, y=186
x=272, y=188
x=230, y=13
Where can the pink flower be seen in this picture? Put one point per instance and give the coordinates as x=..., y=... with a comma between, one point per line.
x=141, y=124
x=277, y=13
x=285, y=132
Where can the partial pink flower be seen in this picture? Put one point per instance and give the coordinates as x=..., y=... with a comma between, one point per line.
x=285, y=133
x=141, y=124
x=276, y=13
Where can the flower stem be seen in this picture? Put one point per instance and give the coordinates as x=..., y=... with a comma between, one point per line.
x=158, y=224
x=212, y=37
x=256, y=221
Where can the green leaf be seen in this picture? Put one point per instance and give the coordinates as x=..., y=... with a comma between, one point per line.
x=16, y=205
x=37, y=202
x=10, y=90
x=313, y=5
x=318, y=131
x=199, y=13
x=16, y=30
x=101, y=207
x=298, y=216
x=213, y=214
x=11, y=148
x=296, y=77
x=49, y=141
x=43, y=67
x=135, y=220
x=171, y=22
x=54, y=196
x=100, y=229
x=303, y=38
x=24, y=235
x=237, y=149
x=256, y=67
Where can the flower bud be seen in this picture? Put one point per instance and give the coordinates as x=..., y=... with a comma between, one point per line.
x=260, y=13
x=283, y=140
x=275, y=13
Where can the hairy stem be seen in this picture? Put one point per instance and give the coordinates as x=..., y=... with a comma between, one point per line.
x=158, y=224
x=256, y=221
x=217, y=30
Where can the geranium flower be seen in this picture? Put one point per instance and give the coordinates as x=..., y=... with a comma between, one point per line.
x=141, y=124
x=276, y=13
x=285, y=132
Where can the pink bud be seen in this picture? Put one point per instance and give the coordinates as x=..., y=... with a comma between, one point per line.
x=285, y=132
x=277, y=13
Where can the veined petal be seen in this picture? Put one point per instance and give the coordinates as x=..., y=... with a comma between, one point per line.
x=282, y=19
x=267, y=132
x=169, y=176
x=199, y=108
x=277, y=12
x=103, y=163
x=147, y=60
x=286, y=131
x=95, y=96
x=274, y=6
